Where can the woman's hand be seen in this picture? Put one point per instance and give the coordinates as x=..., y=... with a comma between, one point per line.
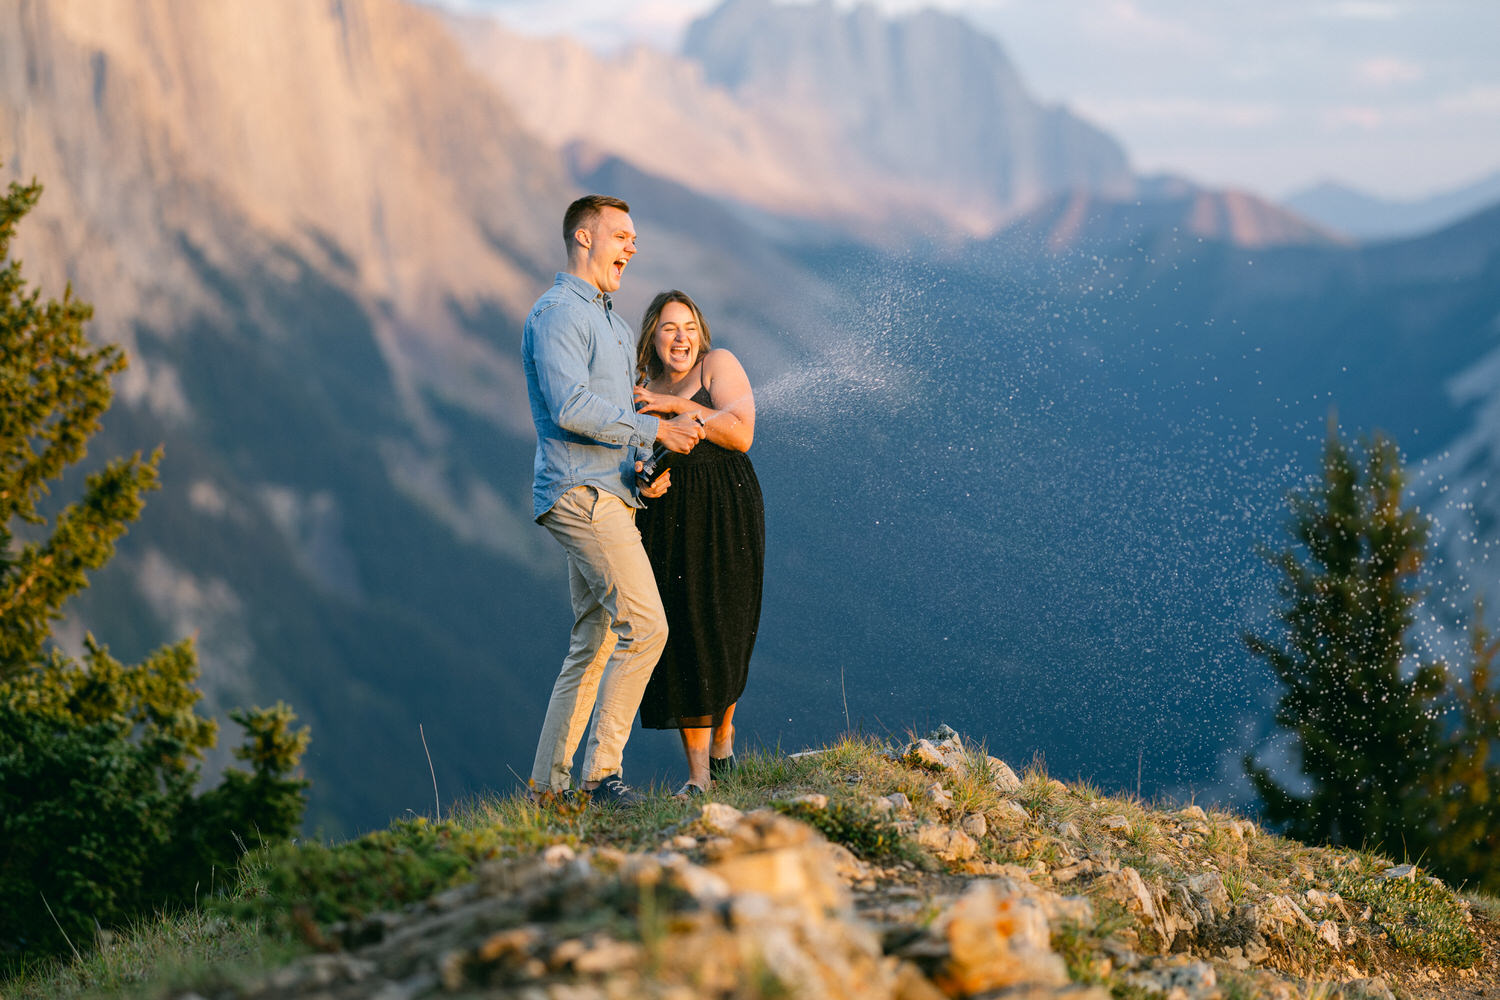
x=662, y=404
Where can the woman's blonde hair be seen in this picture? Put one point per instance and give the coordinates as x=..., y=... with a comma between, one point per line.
x=647, y=361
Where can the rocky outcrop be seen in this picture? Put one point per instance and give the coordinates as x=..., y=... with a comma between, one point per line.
x=743, y=898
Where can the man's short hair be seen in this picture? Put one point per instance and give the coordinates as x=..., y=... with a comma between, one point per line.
x=582, y=213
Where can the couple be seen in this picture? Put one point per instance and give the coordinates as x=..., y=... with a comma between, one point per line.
x=683, y=585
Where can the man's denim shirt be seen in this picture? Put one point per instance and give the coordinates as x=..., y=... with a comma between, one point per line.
x=579, y=359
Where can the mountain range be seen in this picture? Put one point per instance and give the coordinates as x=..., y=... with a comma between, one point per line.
x=1355, y=213
x=1024, y=415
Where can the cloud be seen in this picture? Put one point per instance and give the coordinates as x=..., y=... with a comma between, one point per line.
x=1126, y=21
x=1388, y=71
x=1359, y=116
x=1182, y=111
x=1484, y=100
x=1363, y=10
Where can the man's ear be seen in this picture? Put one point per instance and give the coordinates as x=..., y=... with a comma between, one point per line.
x=583, y=238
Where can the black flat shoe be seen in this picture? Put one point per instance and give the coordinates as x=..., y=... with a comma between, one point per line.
x=720, y=766
x=688, y=791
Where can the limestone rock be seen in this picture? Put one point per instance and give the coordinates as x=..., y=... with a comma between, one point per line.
x=814, y=800
x=974, y=824
x=1004, y=779
x=1328, y=933
x=718, y=817
x=1368, y=989
x=924, y=753
x=780, y=858
x=1180, y=980
x=940, y=796
x=996, y=942
x=1281, y=913
x=1013, y=812
x=900, y=804
x=1408, y=872
x=946, y=842
x=1115, y=822
x=1128, y=889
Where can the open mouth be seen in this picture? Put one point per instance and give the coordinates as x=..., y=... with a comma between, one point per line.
x=681, y=354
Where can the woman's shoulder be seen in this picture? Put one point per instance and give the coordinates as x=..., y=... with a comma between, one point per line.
x=719, y=360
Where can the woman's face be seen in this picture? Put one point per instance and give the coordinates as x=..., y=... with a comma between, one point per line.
x=677, y=338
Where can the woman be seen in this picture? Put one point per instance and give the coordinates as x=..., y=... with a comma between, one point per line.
x=706, y=537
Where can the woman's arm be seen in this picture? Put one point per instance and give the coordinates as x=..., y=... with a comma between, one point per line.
x=731, y=422
x=662, y=404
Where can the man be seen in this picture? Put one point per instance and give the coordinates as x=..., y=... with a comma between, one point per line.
x=579, y=360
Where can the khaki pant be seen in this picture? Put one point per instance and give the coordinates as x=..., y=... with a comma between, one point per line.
x=619, y=629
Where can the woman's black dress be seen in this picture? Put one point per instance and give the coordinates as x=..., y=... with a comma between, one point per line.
x=706, y=537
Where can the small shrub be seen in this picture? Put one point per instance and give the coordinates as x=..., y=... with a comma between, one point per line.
x=406, y=863
x=856, y=827
x=1422, y=919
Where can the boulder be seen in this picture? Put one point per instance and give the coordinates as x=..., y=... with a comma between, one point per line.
x=923, y=753
x=1003, y=778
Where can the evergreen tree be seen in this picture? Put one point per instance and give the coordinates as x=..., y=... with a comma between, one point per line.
x=1383, y=740
x=1463, y=839
x=99, y=761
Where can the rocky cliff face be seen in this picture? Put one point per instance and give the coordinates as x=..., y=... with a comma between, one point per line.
x=314, y=229
x=810, y=111
x=885, y=127
x=926, y=99
x=347, y=134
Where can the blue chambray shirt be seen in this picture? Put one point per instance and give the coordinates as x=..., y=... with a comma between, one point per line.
x=579, y=359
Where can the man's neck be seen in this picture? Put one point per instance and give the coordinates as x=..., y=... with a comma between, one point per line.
x=578, y=270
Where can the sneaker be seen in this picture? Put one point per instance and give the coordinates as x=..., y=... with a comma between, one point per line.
x=612, y=791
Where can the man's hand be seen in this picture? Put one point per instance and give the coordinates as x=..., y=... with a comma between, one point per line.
x=680, y=433
x=658, y=486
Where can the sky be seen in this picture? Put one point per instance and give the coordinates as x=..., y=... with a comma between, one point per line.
x=1398, y=98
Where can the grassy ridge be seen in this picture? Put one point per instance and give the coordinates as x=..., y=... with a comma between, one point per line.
x=291, y=900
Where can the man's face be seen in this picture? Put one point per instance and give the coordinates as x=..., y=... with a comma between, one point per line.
x=610, y=245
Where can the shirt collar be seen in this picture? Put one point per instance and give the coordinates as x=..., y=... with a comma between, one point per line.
x=584, y=289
